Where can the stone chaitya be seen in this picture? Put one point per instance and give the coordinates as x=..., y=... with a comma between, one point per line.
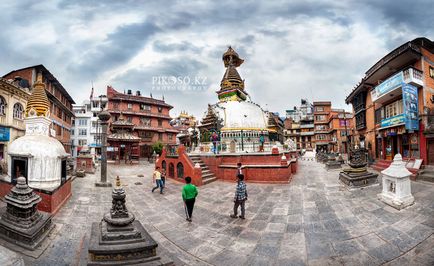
x=357, y=175
x=119, y=239
x=21, y=223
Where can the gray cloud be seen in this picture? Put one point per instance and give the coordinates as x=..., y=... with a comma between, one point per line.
x=291, y=47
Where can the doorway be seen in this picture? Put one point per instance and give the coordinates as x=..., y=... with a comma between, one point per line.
x=19, y=168
x=430, y=148
x=391, y=147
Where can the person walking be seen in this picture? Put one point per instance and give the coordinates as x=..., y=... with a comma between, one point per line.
x=240, y=197
x=163, y=177
x=189, y=194
x=239, y=169
x=156, y=177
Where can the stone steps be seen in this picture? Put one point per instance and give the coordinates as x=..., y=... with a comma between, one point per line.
x=207, y=175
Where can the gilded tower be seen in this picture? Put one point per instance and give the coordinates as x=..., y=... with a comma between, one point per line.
x=38, y=104
x=231, y=86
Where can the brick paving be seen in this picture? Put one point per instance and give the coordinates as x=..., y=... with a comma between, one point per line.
x=311, y=221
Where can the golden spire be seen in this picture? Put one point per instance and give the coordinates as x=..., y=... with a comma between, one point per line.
x=38, y=104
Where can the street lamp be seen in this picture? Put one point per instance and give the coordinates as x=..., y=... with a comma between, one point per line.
x=104, y=116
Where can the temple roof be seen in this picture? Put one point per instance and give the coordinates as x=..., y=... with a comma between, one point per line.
x=38, y=101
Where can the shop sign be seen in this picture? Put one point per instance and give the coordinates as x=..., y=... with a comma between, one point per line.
x=394, y=120
x=4, y=134
x=388, y=85
x=410, y=102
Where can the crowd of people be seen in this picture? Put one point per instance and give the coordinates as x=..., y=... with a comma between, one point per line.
x=189, y=192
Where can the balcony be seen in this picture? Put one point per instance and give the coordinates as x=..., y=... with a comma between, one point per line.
x=310, y=133
x=307, y=126
x=393, y=86
x=413, y=76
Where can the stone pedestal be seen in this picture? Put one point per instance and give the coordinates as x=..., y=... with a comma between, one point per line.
x=357, y=175
x=121, y=240
x=21, y=223
x=396, y=185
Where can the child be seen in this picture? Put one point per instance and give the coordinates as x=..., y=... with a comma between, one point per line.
x=189, y=194
x=156, y=177
x=240, y=197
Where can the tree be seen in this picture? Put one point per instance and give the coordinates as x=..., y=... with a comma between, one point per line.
x=158, y=147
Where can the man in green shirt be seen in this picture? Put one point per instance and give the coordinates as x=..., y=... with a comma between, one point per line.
x=189, y=194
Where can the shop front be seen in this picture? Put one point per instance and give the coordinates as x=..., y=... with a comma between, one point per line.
x=394, y=140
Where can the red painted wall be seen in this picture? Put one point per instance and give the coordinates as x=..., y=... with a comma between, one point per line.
x=50, y=203
x=189, y=170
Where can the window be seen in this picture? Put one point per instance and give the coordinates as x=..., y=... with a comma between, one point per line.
x=82, y=132
x=320, y=117
x=82, y=122
x=145, y=121
x=319, y=109
x=170, y=136
x=160, y=109
x=160, y=122
x=2, y=106
x=130, y=106
x=378, y=115
x=393, y=109
x=94, y=124
x=82, y=142
x=115, y=105
x=160, y=136
x=18, y=111
x=130, y=119
x=321, y=127
x=145, y=107
x=431, y=72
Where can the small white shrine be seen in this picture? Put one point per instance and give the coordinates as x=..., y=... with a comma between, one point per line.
x=36, y=155
x=396, y=185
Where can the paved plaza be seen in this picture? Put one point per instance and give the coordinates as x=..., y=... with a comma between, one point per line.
x=311, y=221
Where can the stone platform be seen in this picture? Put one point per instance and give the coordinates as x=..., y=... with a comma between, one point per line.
x=310, y=221
x=358, y=180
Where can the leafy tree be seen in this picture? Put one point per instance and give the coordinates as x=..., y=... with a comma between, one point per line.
x=158, y=147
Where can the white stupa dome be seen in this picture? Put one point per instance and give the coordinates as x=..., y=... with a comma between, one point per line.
x=37, y=146
x=237, y=115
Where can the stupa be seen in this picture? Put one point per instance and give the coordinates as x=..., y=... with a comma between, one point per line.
x=120, y=239
x=357, y=175
x=21, y=223
x=240, y=121
x=37, y=156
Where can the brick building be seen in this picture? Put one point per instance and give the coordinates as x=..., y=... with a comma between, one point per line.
x=13, y=100
x=394, y=104
x=149, y=118
x=332, y=126
x=61, y=102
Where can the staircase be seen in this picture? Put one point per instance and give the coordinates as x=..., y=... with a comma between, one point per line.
x=207, y=175
x=426, y=174
x=380, y=165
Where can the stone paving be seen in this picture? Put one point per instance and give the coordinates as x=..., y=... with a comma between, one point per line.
x=311, y=221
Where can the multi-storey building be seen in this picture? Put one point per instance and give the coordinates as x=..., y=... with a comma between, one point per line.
x=80, y=133
x=14, y=94
x=301, y=127
x=332, y=128
x=149, y=117
x=61, y=102
x=86, y=129
x=393, y=104
x=321, y=112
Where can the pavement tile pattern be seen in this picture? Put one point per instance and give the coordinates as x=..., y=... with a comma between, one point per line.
x=311, y=221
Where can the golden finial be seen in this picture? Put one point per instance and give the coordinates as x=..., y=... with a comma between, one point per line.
x=118, y=181
x=38, y=104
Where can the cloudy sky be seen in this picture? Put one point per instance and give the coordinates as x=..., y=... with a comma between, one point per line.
x=292, y=49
